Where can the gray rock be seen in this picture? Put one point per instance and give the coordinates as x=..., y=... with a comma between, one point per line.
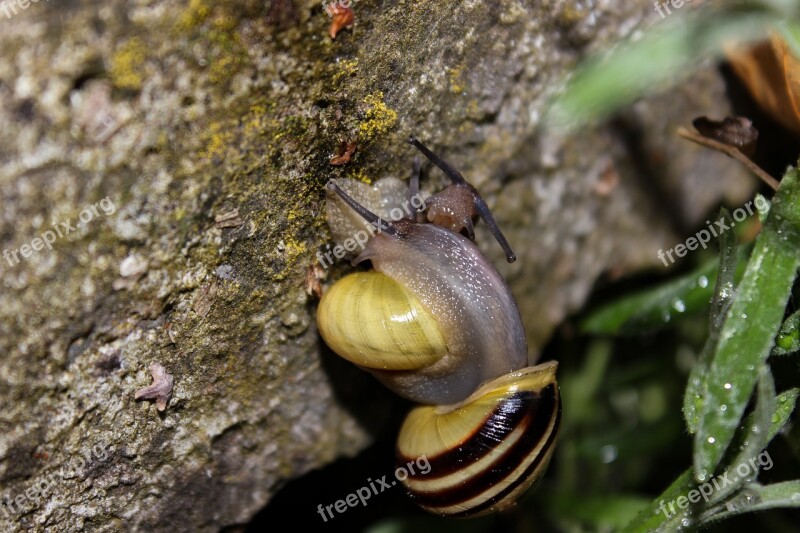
x=180, y=112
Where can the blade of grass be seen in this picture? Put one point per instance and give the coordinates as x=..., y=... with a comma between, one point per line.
x=661, y=57
x=752, y=437
x=652, y=309
x=750, y=326
x=655, y=518
x=724, y=291
x=760, y=498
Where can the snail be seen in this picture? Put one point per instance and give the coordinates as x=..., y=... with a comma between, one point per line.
x=436, y=323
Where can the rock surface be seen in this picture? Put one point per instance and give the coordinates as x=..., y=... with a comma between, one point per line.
x=173, y=154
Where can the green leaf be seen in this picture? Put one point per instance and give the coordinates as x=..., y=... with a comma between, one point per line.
x=727, y=277
x=664, y=55
x=752, y=437
x=756, y=497
x=784, y=407
x=654, y=518
x=766, y=204
x=750, y=327
x=788, y=340
x=724, y=290
x=652, y=309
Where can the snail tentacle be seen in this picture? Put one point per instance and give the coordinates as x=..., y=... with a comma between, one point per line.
x=478, y=204
x=365, y=213
x=413, y=187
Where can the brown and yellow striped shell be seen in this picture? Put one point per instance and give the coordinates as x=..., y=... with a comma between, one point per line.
x=488, y=450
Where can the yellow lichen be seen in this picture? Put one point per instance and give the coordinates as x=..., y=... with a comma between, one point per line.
x=195, y=14
x=454, y=76
x=380, y=117
x=218, y=140
x=359, y=174
x=223, y=68
x=224, y=51
x=224, y=23
x=346, y=68
x=572, y=15
x=127, y=65
x=162, y=142
x=258, y=121
x=227, y=55
x=294, y=249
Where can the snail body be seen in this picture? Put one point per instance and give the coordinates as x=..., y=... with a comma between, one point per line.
x=436, y=323
x=462, y=293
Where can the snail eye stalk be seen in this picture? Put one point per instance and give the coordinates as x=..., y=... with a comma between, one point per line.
x=362, y=211
x=413, y=189
x=479, y=204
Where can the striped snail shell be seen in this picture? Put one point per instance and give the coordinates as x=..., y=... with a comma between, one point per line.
x=486, y=451
x=437, y=324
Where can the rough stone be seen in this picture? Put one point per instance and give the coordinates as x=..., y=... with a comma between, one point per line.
x=182, y=112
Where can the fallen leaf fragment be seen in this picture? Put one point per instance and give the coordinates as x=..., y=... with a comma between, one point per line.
x=346, y=151
x=314, y=276
x=161, y=388
x=733, y=131
x=771, y=72
x=343, y=17
x=230, y=219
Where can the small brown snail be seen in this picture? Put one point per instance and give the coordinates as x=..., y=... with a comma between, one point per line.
x=436, y=323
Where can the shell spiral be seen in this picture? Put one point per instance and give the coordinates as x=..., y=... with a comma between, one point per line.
x=372, y=321
x=485, y=452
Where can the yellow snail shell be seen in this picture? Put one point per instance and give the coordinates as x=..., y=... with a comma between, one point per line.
x=384, y=327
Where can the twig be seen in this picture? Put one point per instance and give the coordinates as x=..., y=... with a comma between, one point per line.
x=733, y=152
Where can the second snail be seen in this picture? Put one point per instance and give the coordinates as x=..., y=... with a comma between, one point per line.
x=435, y=322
